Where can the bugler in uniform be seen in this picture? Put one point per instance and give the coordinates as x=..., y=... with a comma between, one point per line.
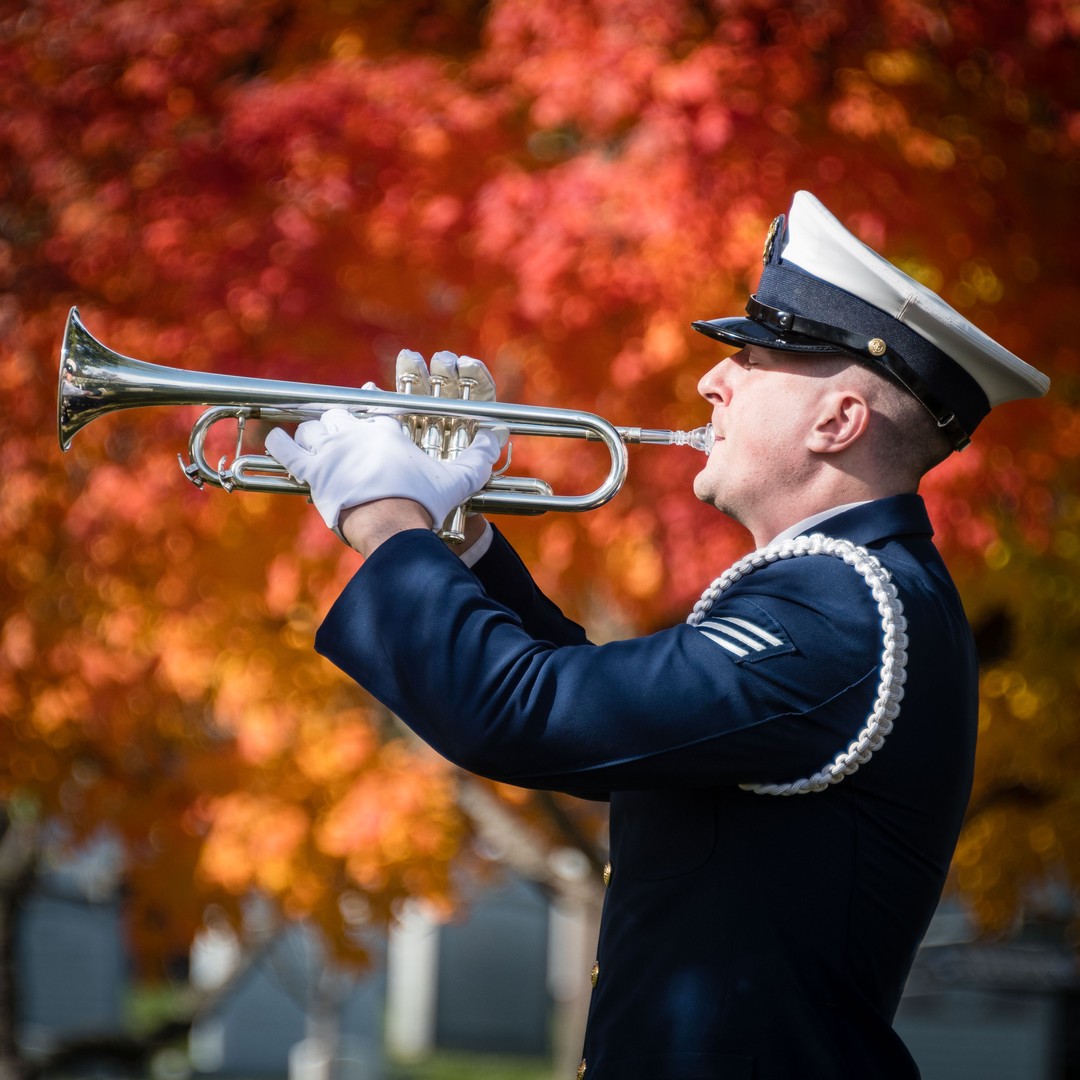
x=744, y=934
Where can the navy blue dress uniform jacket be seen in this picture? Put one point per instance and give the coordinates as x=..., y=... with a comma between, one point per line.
x=743, y=935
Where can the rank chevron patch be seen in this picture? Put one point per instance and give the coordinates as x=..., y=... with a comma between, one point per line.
x=746, y=639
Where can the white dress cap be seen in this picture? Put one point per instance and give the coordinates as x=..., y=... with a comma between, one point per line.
x=820, y=245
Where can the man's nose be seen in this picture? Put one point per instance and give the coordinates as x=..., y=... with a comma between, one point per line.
x=715, y=385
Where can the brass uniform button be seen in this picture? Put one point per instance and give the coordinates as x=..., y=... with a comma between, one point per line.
x=876, y=347
x=595, y=973
x=607, y=874
x=581, y=1070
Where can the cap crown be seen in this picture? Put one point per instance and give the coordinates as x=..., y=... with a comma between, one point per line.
x=817, y=243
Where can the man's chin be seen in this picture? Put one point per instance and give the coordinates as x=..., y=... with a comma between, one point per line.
x=702, y=491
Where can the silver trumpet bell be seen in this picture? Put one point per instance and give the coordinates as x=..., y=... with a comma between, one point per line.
x=94, y=381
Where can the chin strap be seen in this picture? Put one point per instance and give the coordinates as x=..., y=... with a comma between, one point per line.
x=893, y=657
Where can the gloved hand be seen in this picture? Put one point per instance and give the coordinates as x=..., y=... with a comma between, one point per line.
x=348, y=461
x=448, y=367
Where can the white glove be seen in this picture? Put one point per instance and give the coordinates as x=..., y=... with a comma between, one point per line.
x=348, y=461
x=448, y=367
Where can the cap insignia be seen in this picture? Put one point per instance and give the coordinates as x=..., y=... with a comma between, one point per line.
x=770, y=239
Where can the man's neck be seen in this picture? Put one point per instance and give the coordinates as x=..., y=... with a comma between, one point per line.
x=809, y=524
x=809, y=504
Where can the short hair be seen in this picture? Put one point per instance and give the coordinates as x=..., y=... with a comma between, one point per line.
x=903, y=436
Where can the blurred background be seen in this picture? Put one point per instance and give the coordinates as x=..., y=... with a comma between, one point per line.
x=218, y=857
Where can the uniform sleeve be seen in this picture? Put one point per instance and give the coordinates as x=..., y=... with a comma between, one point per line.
x=769, y=689
x=507, y=581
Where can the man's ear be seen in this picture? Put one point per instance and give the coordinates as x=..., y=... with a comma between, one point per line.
x=842, y=418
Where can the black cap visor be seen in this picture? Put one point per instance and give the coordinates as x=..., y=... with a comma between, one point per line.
x=741, y=332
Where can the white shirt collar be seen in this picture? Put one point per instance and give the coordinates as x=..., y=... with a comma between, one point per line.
x=807, y=524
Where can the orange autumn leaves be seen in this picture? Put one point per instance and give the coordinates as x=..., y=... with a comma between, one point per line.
x=297, y=191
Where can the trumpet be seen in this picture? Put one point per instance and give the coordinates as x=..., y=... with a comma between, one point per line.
x=95, y=381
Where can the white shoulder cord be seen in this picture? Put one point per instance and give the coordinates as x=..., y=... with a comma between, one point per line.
x=893, y=658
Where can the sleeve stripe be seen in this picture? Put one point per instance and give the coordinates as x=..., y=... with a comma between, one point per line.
x=732, y=633
x=765, y=636
x=746, y=639
x=730, y=646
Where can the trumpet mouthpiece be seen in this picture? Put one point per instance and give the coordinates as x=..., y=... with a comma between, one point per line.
x=700, y=438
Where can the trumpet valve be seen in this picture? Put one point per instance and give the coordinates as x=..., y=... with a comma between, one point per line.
x=458, y=435
x=406, y=384
x=433, y=430
x=462, y=429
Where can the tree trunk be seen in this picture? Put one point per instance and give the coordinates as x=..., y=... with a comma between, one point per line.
x=18, y=863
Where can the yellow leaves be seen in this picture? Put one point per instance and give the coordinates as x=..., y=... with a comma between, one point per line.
x=1043, y=840
x=1026, y=700
x=924, y=272
x=385, y=818
x=329, y=756
x=862, y=110
x=997, y=554
x=186, y=658
x=122, y=631
x=926, y=151
x=635, y=562
x=1026, y=752
x=262, y=730
x=991, y=897
x=246, y=704
x=386, y=803
x=1016, y=842
x=57, y=708
x=978, y=284
x=865, y=111
x=1024, y=705
x=348, y=45
x=253, y=842
x=896, y=67
x=398, y=820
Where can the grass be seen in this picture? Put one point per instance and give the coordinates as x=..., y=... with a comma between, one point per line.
x=149, y=1007
x=447, y=1065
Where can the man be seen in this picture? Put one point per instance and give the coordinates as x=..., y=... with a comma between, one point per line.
x=744, y=934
